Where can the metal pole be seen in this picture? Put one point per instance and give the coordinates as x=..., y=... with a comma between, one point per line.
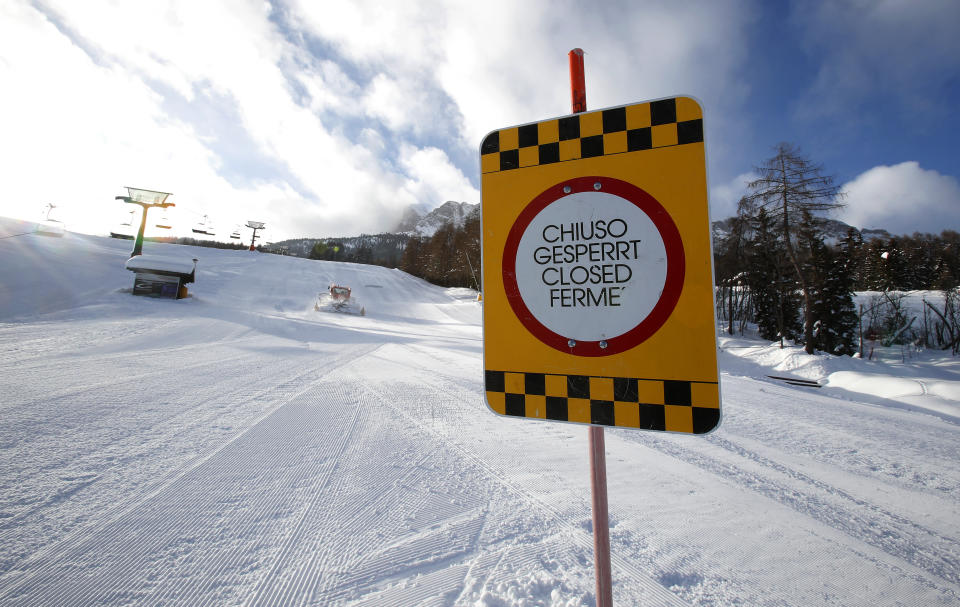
x=138, y=243
x=598, y=459
x=601, y=519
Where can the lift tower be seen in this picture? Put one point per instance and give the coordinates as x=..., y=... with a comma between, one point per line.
x=146, y=199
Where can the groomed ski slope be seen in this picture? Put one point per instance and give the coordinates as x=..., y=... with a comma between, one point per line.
x=239, y=448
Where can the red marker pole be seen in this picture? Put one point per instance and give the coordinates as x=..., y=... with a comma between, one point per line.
x=598, y=458
x=578, y=88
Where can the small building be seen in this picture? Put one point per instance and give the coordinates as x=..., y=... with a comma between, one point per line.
x=160, y=276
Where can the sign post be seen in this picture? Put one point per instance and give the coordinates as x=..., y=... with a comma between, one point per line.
x=597, y=274
x=598, y=458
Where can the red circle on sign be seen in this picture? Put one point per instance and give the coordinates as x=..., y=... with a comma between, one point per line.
x=672, y=287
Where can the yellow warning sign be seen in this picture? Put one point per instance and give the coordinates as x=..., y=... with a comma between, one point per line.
x=597, y=275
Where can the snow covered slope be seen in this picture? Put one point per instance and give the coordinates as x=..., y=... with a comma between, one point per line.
x=239, y=448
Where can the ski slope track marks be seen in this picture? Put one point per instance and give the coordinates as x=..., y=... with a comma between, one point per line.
x=239, y=448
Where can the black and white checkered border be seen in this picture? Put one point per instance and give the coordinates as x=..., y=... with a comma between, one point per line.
x=496, y=156
x=575, y=390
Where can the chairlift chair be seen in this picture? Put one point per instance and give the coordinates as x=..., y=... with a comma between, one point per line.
x=50, y=227
x=120, y=232
x=203, y=227
x=164, y=223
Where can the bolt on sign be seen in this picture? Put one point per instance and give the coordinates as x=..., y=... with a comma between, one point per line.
x=597, y=269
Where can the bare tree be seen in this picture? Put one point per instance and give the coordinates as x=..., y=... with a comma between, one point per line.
x=949, y=320
x=788, y=185
x=728, y=270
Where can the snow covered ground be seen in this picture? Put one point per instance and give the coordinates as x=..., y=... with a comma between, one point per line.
x=239, y=448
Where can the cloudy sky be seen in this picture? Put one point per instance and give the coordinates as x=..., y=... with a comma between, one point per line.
x=330, y=118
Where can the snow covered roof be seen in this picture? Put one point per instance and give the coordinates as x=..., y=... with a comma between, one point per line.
x=159, y=263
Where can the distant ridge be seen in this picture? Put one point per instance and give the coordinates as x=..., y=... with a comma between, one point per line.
x=414, y=224
x=389, y=245
x=833, y=230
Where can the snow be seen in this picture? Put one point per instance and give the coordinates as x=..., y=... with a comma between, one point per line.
x=160, y=263
x=928, y=381
x=237, y=447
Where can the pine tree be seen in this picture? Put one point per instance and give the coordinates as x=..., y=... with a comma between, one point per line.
x=872, y=265
x=947, y=269
x=812, y=254
x=772, y=290
x=789, y=184
x=893, y=267
x=852, y=247
x=440, y=256
x=318, y=251
x=921, y=260
x=412, y=260
x=838, y=330
x=830, y=280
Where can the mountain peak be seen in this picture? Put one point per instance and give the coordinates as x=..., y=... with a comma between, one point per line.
x=452, y=212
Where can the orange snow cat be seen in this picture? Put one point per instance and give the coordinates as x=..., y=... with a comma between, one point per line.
x=339, y=293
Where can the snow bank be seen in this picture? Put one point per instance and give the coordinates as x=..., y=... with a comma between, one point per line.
x=935, y=394
x=925, y=379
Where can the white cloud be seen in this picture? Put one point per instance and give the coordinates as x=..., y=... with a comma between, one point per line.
x=506, y=62
x=433, y=176
x=75, y=132
x=401, y=106
x=903, y=199
x=106, y=95
x=99, y=123
x=503, y=62
x=725, y=196
x=329, y=88
x=372, y=33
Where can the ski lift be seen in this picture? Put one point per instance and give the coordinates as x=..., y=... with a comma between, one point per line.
x=50, y=227
x=164, y=222
x=235, y=234
x=121, y=232
x=204, y=227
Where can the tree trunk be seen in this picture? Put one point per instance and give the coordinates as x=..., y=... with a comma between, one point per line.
x=781, y=323
x=807, y=300
x=730, y=310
